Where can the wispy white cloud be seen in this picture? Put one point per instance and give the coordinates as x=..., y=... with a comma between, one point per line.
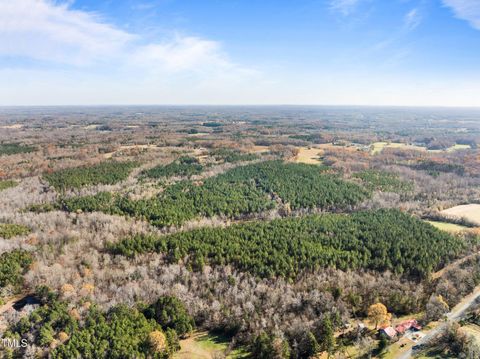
x=345, y=7
x=53, y=32
x=412, y=19
x=90, y=60
x=42, y=30
x=468, y=10
x=180, y=53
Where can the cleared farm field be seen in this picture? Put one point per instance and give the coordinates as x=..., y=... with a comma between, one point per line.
x=469, y=211
x=378, y=147
x=459, y=147
x=259, y=149
x=308, y=155
x=448, y=227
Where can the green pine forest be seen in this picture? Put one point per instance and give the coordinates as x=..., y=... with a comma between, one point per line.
x=109, y=173
x=379, y=240
x=238, y=192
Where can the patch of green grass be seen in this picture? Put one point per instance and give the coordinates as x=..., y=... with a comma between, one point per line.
x=7, y=184
x=448, y=227
x=457, y=147
x=219, y=342
x=9, y=230
x=211, y=344
x=239, y=353
x=213, y=341
x=14, y=148
x=40, y=208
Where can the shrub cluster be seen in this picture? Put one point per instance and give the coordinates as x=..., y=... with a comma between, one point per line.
x=13, y=265
x=10, y=230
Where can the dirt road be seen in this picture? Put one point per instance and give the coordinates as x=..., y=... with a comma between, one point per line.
x=452, y=265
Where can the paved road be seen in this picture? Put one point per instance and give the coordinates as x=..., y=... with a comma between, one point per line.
x=455, y=314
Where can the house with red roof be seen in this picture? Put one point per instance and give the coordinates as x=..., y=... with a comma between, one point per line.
x=388, y=332
x=410, y=324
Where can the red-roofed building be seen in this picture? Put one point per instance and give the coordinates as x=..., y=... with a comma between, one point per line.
x=410, y=324
x=388, y=331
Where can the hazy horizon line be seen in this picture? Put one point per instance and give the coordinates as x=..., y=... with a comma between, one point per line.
x=246, y=105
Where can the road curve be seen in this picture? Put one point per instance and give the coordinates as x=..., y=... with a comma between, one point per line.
x=454, y=314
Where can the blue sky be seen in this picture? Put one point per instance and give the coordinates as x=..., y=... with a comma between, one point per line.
x=352, y=52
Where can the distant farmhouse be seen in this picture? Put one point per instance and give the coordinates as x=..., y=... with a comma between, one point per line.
x=400, y=329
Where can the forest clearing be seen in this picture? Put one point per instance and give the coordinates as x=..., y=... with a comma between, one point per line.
x=471, y=212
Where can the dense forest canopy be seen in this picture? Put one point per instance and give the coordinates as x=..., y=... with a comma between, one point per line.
x=237, y=192
x=110, y=172
x=229, y=155
x=383, y=181
x=121, y=332
x=301, y=185
x=183, y=167
x=12, y=267
x=180, y=202
x=14, y=148
x=380, y=240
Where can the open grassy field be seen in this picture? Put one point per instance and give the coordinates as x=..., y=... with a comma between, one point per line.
x=457, y=147
x=378, y=147
x=448, y=227
x=469, y=211
x=202, y=345
x=260, y=149
x=473, y=330
x=308, y=155
x=12, y=127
